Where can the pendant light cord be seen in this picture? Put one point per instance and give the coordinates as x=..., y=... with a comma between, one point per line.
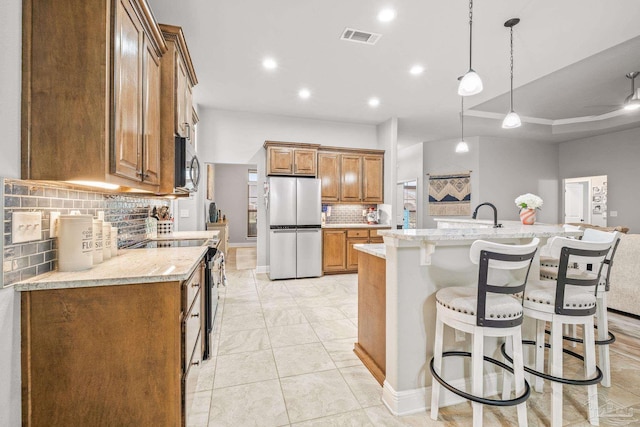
x=462, y=118
x=511, y=69
x=470, y=30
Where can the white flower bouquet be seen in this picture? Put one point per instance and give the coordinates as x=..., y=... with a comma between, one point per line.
x=528, y=201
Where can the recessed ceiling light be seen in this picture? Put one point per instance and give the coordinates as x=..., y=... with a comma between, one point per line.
x=416, y=70
x=386, y=15
x=374, y=102
x=269, y=63
x=304, y=93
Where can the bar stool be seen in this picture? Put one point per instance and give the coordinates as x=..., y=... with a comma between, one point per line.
x=570, y=299
x=488, y=309
x=549, y=271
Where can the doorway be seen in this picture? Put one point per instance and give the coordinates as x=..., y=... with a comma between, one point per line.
x=585, y=200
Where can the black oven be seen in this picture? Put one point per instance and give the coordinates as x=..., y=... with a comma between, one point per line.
x=187, y=167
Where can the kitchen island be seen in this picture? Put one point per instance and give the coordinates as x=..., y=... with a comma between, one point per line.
x=118, y=344
x=418, y=264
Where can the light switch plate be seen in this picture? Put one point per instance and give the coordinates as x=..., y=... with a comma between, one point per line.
x=26, y=227
x=613, y=213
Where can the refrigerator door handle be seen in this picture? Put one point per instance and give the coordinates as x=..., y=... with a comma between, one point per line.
x=309, y=230
x=283, y=231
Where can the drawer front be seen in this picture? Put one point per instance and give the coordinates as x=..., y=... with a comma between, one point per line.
x=189, y=386
x=192, y=322
x=193, y=285
x=357, y=233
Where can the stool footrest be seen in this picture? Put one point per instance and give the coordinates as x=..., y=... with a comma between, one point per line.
x=569, y=381
x=493, y=402
x=610, y=340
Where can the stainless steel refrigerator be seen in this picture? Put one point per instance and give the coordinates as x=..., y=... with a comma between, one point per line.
x=295, y=234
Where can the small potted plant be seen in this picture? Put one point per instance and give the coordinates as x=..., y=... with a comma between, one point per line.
x=528, y=203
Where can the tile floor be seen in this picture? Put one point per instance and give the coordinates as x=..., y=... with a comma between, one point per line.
x=283, y=357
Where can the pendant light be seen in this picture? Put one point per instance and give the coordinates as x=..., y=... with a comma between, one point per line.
x=632, y=102
x=471, y=83
x=462, y=146
x=512, y=120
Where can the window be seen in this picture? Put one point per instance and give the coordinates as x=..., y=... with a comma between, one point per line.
x=252, y=206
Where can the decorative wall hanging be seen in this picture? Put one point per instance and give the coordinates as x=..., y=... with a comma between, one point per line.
x=450, y=195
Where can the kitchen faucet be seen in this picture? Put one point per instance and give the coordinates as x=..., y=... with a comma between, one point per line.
x=495, y=213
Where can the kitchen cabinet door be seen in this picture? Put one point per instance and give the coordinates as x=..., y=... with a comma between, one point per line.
x=181, y=123
x=280, y=160
x=329, y=175
x=334, y=245
x=151, y=117
x=304, y=162
x=127, y=86
x=351, y=173
x=372, y=179
x=352, y=254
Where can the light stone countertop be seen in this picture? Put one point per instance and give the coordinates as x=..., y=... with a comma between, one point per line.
x=512, y=229
x=375, y=249
x=131, y=266
x=188, y=235
x=356, y=225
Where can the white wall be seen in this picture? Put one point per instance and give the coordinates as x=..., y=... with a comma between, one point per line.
x=231, y=196
x=513, y=167
x=616, y=155
x=10, y=73
x=440, y=157
x=236, y=137
x=410, y=167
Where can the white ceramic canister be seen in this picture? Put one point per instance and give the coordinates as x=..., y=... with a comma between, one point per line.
x=75, y=242
x=97, y=242
x=106, y=240
x=114, y=241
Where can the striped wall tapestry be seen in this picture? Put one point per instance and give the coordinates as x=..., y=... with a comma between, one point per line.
x=450, y=195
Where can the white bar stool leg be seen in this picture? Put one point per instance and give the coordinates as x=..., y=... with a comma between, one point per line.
x=539, y=383
x=603, y=334
x=590, y=370
x=518, y=373
x=555, y=368
x=476, y=372
x=437, y=364
x=506, y=376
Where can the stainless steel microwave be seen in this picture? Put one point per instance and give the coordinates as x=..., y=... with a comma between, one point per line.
x=187, y=173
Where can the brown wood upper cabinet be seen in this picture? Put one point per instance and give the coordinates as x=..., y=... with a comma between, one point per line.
x=289, y=158
x=91, y=93
x=178, y=77
x=351, y=175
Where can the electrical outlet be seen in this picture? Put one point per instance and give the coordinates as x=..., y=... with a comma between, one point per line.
x=53, y=224
x=184, y=213
x=613, y=213
x=460, y=336
x=26, y=226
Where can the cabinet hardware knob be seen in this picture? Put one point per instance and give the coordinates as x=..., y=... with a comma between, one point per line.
x=195, y=285
x=195, y=363
x=195, y=315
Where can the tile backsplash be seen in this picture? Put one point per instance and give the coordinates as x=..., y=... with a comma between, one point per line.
x=25, y=260
x=347, y=214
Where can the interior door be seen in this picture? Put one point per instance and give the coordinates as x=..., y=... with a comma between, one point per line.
x=575, y=199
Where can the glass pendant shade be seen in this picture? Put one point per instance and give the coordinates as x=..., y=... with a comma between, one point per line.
x=470, y=84
x=511, y=120
x=462, y=147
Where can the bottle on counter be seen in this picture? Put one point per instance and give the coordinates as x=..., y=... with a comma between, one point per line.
x=98, y=256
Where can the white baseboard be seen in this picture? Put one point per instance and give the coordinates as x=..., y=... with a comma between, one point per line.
x=262, y=269
x=408, y=402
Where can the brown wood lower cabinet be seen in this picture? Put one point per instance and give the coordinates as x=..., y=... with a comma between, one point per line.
x=371, y=345
x=111, y=355
x=338, y=254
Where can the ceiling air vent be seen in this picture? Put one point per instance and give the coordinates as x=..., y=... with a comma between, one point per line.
x=358, y=36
